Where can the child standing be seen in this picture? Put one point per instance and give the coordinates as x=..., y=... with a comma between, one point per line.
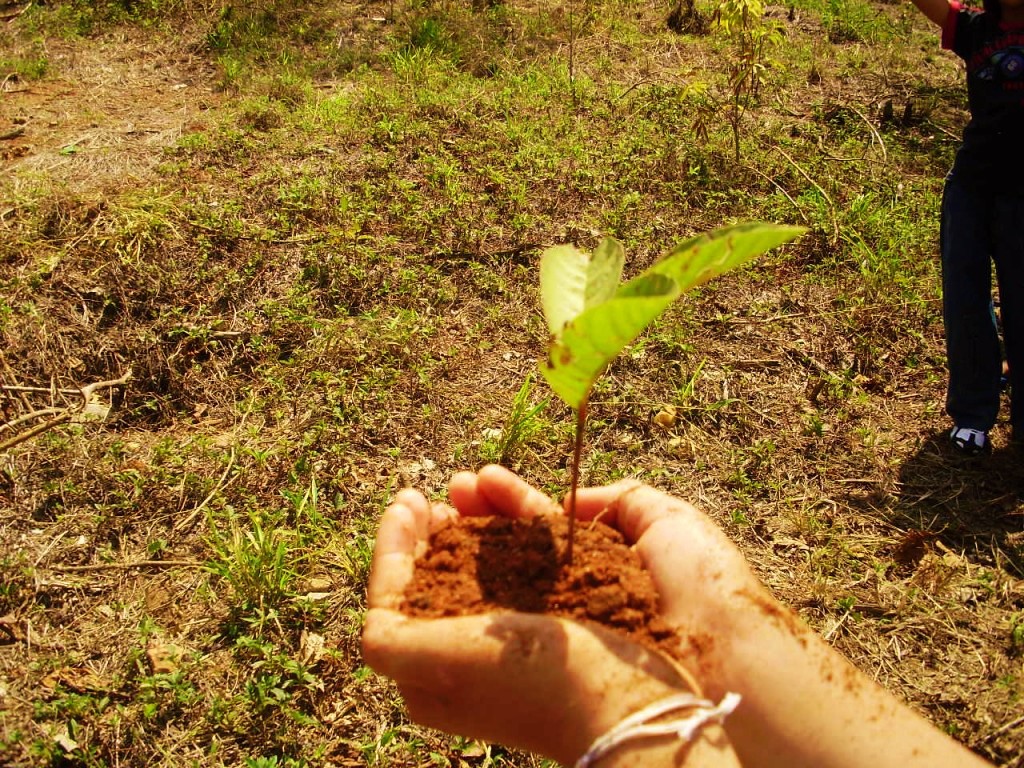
x=983, y=219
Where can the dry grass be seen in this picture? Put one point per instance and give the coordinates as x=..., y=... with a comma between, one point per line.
x=324, y=287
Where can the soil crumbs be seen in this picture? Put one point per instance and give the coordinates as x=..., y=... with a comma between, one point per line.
x=480, y=565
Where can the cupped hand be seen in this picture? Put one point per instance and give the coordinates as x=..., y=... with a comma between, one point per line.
x=534, y=682
x=693, y=563
x=551, y=686
x=703, y=581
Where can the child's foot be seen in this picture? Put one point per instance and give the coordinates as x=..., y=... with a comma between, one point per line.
x=970, y=442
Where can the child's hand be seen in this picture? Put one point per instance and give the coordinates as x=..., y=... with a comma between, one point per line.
x=543, y=684
x=702, y=579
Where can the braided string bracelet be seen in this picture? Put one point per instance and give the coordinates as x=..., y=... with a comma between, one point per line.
x=636, y=726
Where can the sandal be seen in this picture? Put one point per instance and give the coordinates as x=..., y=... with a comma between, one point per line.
x=970, y=442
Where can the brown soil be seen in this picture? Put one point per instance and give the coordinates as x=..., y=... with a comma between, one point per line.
x=480, y=565
x=126, y=96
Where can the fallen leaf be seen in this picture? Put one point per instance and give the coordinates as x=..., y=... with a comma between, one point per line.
x=64, y=741
x=318, y=584
x=311, y=647
x=11, y=628
x=76, y=679
x=164, y=658
x=666, y=417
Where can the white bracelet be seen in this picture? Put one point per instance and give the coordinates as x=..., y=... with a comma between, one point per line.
x=636, y=727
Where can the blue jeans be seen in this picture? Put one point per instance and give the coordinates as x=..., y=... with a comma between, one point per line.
x=979, y=228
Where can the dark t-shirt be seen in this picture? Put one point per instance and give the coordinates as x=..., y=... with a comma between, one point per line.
x=992, y=154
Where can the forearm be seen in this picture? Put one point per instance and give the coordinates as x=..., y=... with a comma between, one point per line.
x=805, y=705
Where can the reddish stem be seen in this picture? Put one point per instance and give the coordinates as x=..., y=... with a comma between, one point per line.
x=581, y=420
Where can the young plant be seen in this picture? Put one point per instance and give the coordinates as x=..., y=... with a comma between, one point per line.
x=523, y=423
x=753, y=39
x=592, y=317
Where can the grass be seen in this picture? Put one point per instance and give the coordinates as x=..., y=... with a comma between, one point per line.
x=324, y=283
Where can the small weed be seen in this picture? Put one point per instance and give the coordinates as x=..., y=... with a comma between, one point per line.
x=358, y=555
x=390, y=745
x=164, y=697
x=71, y=705
x=255, y=561
x=1017, y=632
x=521, y=425
x=273, y=761
x=306, y=517
x=275, y=678
x=32, y=67
x=686, y=394
x=846, y=604
x=815, y=426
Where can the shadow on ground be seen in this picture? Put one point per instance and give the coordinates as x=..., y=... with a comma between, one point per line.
x=972, y=504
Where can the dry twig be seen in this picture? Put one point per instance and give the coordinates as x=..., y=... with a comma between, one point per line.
x=62, y=414
x=120, y=566
x=824, y=194
x=184, y=523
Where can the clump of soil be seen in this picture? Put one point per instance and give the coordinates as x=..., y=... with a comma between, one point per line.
x=480, y=565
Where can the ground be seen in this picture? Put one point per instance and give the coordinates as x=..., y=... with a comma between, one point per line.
x=322, y=280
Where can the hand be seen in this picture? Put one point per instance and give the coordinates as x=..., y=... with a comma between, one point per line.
x=803, y=703
x=702, y=579
x=543, y=684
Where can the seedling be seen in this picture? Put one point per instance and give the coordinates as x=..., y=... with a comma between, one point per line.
x=592, y=316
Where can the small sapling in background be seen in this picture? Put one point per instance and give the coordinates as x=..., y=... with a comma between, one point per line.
x=592, y=316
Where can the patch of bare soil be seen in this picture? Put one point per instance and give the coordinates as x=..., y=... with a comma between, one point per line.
x=114, y=105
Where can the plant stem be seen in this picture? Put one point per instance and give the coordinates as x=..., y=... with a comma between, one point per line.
x=577, y=452
x=572, y=75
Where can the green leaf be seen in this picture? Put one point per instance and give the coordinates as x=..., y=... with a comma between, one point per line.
x=586, y=345
x=709, y=255
x=591, y=323
x=571, y=280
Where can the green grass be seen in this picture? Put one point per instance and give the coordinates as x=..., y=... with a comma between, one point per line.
x=326, y=290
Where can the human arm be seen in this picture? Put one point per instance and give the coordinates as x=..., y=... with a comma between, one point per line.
x=547, y=685
x=937, y=11
x=803, y=703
